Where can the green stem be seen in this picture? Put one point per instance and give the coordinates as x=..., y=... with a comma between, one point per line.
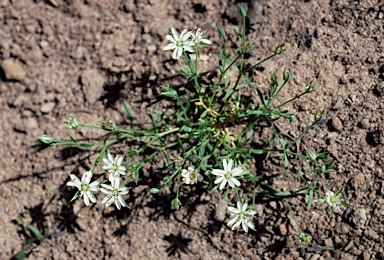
x=276, y=94
x=286, y=102
x=301, y=135
x=257, y=64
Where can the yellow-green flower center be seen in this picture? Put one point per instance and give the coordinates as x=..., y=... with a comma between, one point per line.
x=115, y=167
x=228, y=175
x=180, y=43
x=333, y=199
x=115, y=192
x=84, y=187
x=242, y=215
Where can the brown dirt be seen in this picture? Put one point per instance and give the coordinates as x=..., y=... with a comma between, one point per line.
x=80, y=57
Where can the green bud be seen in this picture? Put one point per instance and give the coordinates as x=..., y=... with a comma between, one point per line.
x=237, y=31
x=107, y=125
x=154, y=190
x=281, y=48
x=72, y=122
x=287, y=74
x=221, y=31
x=175, y=204
x=310, y=86
x=46, y=139
x=319, y=116
x=242, y=11
x=305, y=239
x=310, y=154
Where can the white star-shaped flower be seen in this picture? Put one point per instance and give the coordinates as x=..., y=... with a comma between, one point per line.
x=331, y=199
x=228, y=174
x=179, y=42
x=190, y=176
x=84, y=186
x=113, y=166
x=197, y=37
x=114, y=193
x=241, y=215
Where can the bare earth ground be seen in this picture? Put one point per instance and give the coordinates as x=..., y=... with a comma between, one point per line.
x=79, y=57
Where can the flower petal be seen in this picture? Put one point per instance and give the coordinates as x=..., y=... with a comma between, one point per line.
x=179, y=52
x=174, y=55
x=230, y=182
x=218, y=172
x=94, y=186
x=220, y=179
x=86, y=200
x=75, y=179
x=119, y=159
x=236, y=225
x=237, y=171
x=174, y=33
x=91, y=196
x=232, y=221
x=110, y=201
x=239, y=206
x=244, y=224
x=244, y=207
x=250, y=224
x=77, y=185
x=118, y=206
x=123, y=192
x=188, y=48
x=223, y=183
x=225, y=165
x=205, y=41
x=122, y=201
x=106, y=199
x=234, y=181
x=229, y=166
x=86, y=177
x=170, y=46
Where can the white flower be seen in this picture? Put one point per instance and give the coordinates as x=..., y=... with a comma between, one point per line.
x=190, y=176
x=331, y=199
x=228, y=175
x=72, y=122
x=114, y=193
x=179, y=43
x=84, y=187
x=242, y=215
x=197, y=37
x=113, y=166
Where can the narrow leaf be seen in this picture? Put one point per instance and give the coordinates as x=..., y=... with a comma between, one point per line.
x=128, y=111
x=36, y=232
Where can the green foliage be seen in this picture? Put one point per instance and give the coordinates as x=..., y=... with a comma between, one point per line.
x=32, y=241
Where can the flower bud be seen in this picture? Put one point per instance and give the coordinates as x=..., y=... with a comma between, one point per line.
x=221, y=32
x=237, y=31
x=154, y=190
x=287, y=74
x=319, y=116
x=242, y=11
x=72, y=122
x=46, y=139
x=175, y=204
x=281, y=48
x=310, y=86
x=305, y=239
x=107, y=125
